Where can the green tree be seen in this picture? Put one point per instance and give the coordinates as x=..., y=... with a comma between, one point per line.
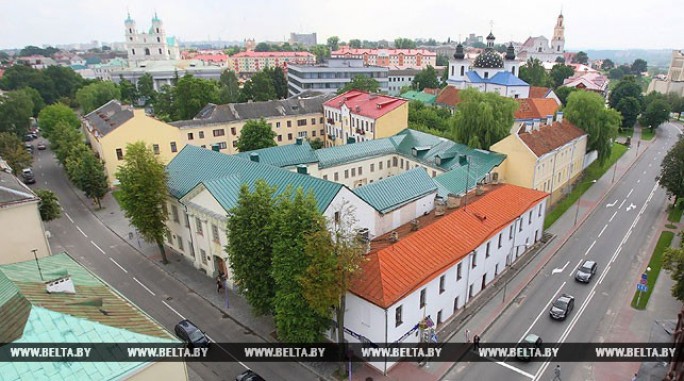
x=563, y=92
x=333, y=42
x=560, y=73
x=639, y=66
x=63, y=140
x=262, y=47
x=66, y=81
x=51, y=115
x=361, y=83
x=426, y=78
x=629, y=108
x=355, y=43
x=256, y=134
x=146, y=88
x=321, y=52
x=533, y=72
x=672, y=171
x=442, y=60
x=581, y=58
x=627, y=87
x=16, y=109
x=673, y=261
x=676, y=103
x=129, y=94
x=656, y=113
x=587, y=111
x=38, y=103
x=163, y=103
x=92, y=178
x=143, y=193
x=48, y=206
x=4, y=57
x=191, y=94
x=560, y=60
x=13, y=152
x=404, y=43
x=279, y=81
x=295, y=217
x=616, y=73
x=258, y=88
x=316, y=143
x=482, y=119
x=229, y=87
x=250, y=250
x=96, y=94
x=607, y=64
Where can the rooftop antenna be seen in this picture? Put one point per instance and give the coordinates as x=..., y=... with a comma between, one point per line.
x=37, y=264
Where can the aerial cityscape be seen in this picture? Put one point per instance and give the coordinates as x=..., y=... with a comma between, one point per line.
x=360, y=191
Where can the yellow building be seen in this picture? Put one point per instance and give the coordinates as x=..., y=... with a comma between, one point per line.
x=357, y=116
x=545, y=157
x=22, y=230
x=218, y=127
x=112, y=126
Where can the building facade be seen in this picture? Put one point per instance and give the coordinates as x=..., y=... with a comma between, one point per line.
x=250, y=62
x=401, y=58
x=333, y=75
x=167, y=72
x=398, y=78
x=304, y=39
x=151, y=46
x=540, y=48
x=674, y=82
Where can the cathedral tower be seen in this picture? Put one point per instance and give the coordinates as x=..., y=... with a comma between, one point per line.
x=558, y=41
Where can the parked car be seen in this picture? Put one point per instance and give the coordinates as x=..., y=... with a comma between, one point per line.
x=586, y=271
x=248, y=375
x=191, y=335
x=28, y=147
x=27, y=176
x=531, y=341
x=561, y=308
x=41, y=146
x=28, y=137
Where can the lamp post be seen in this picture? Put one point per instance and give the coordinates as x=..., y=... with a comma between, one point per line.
x=37, y=264
x=465, y=196
x=580, y=200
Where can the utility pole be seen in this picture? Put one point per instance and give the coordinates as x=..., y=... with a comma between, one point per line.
x=37, y=264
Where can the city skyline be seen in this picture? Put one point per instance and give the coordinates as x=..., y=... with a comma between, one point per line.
x=589, y=25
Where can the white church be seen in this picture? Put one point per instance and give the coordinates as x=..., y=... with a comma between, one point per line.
x=539, y=47
x=150, y=46
x=489, y=72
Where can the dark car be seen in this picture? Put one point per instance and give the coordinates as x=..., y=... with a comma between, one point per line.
x=28, y=137
x=586, y=271
x=531, y=341
x=28, y=147
x=248, y=375
x=27, y=176
x=41, y=146
x=193, y=336
x=560, y=309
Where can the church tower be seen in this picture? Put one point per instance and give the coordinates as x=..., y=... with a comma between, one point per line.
x=130, y=35
x=458, y=67
x=558, y=42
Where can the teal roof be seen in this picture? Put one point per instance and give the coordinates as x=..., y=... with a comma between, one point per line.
x=330, y=157
x=393, y=192
x=284, y=156
x=171, y=41
x=419, y=96
x=454, y=181
x=195, y=165
x=78, y=67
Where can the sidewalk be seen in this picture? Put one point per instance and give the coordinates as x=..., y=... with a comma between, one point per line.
x=478, y=315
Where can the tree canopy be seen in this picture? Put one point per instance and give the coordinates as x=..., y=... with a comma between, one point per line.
x=51, y=115
x=607, y=64
x=587, y=111
x=639, y=66
x=96, y=94
x=426, y=78
x=333, y=43
x=91, y=178
x=256, y=134
x=581, y=58
x=186, y=98
x=142, y=186
x=13, y=152
x=533, y=72
x=259, y=88
x=560, y=73
x=16, y=109
x=229, y=90
x=672, y=171
x=626, y=87
x=656, y=113
x=361, y=83
x=49, y=205
x=629, y=108
x=404, y=43
x=563, y=92
x=483, y=119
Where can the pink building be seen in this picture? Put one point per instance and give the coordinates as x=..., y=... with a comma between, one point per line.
x=401, y=58
x=209, y=57
x=252, y=62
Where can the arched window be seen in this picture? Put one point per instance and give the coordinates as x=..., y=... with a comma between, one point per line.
x=462, y=70
x=513, y=70
x=133, y=51
x=157, y=30
x=158, y=39
x=130, y=30
x=486, y=74
x=147, y=51
x=160, y=52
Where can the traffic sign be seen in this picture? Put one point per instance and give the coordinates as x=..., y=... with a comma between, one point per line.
x=644, y=276
x=644, y=281
x=642, y=287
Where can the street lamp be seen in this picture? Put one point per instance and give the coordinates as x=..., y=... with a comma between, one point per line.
x=580, y=200
x=511, y=264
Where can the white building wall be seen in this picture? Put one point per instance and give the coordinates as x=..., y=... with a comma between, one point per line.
x=346, y=201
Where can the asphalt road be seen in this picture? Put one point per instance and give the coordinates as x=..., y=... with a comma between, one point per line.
x=613, y=235
x=161, y=296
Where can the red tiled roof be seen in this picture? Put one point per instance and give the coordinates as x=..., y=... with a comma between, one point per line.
x=539, y=92
x=535, y=108
x=272, y=54
x=449, y=96
x=395, y=271
x=550, y=137
x=365, y=104
x=407, y=52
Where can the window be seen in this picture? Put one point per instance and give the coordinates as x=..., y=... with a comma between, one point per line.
x=302, y=134
x=155, y=149
x=160, y=52
x=539, y=213
x=372, y=168
x=119, y=154
x=169, y=237
x=473, y=257
x=336, y=217
x=520, y=226
x=353, y=172
x=301, y=122
x=201, y=134
x=346, y=173
x=222, y=145
x=500, y=234
x=203, y=256
x=401, y=163
x=313, y=121
x=180, y=243
x=529, y=218
x=234, y=143
x=397, y=316
x=233, y=131
x=280, y=138
x=219, y=132
x=289, y=123
x=215, y=233
x=190, y=136
x=313, y=133
x=289, y=136
x=173, y=147
x=322, y=132
x=394, y=162
x=360, y=171
x=325, y=177
x=158, y=40
x=442, y=280
x=174, y=213
x=320, y=120
x=510, y=231
x=187, y=220
x=423, y=298
x=380, y=165
x=487, y=252
x=337, y=178
x=198, y=223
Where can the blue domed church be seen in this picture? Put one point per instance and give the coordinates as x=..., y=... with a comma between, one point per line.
x=489, y=72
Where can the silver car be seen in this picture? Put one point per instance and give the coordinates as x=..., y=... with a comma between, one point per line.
x=586, y=271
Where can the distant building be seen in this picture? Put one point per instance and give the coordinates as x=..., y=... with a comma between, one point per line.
x=592, y=81
x=472, y=39
x=543, y=92
x=420, y=96
x=401, y=58
x=250, y=44
x=249, y=62
x=332, y=75
x=674, y=82
x=539, y=47
x=399, y=78
x=304, y=39
x=166, y=72
x=207, y=57
x=151, y=46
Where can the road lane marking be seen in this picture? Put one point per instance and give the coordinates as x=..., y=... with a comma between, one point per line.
x=116, y=263
x=223, y=349
x=602, y=230
x=630, y=207
x=554, y=271
x=638, y=181
x=570, y=274
x=630, y=192
x=613, y=216
x=590, y=247
x=69, y=217
x=98, y=247
x=644, y=172
x=604, y=272
x=611, y=204
x=171, y=308
x=145, y=287
x=542, y=312
x=622, y=203
x=511, y=367
x=79, y=229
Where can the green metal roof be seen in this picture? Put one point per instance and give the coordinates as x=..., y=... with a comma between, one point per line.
x=330, y=157
x=195, y=165
x=393, y=192
x=419, y=96
x=454, y=181
x=284, y=156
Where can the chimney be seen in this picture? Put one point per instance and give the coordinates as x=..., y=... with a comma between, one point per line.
x=559, y=116
x=299, y=141
x=440, y=206
x=535, y=125
x=62, y=285
x=528, y=127
x=254, y=156
x=549, y=119
x=453, y=201
x=301, y=169
x=394, y=236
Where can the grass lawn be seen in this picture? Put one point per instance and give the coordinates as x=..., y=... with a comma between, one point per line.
x=626, y=132
x=675, y=212
x=655, y=264
x=593, y=172
x=647, y=134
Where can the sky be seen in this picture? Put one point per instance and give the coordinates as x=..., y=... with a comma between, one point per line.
x=589, y=24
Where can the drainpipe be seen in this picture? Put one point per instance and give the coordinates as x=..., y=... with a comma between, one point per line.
x=553, y=177
x=192, y=241
x=467, y=296
x=384, y=369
